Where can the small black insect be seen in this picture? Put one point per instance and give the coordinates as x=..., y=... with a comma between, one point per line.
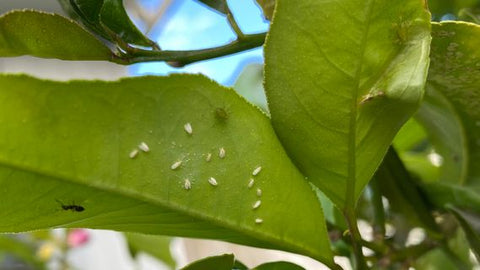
x=72, y=207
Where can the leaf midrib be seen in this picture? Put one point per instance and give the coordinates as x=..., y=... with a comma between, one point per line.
x=265, y=236
x=352, y=131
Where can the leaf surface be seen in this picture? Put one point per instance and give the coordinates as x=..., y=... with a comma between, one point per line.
x=106, y=17
x=279, y=266
x=341, y=78
x=267, y=6
x=454, y=95
x=218, y=5
x=68, y=146
x=471, y=235
x=154, y=245
x=47, y=35
x=222, y=262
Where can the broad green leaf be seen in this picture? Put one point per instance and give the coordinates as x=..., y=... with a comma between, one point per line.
x=439, y=259
x=459, y=246
x=218, y=5
x=410, y=137
x=222, y=262
x=250, y=85
x=341, y=78
x=279, y=266
x=403, y=194
x=472, y=236
x=68, y=146
x=49, y=36
x=442, y=194
x=267, y=6
x=238, y=265
x=420, y=166
x=156, y=246
x=107, y=17
x=446, y=134
x=451, y=110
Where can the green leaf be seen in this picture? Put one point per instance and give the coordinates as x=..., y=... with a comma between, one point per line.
x=402, y=193
x=472, y=236
x=107, y=17
x=222, y=262
x=267, y=6
x=68, y=145
x=156, y=246
x=342, y=82
x=452, y=101
x=218, y=5
x=49, y=36
x=279, y=266
x=438, y=259
x=238, y=265
x=443, y=194
x=250, y=86
x=446, y=134
x=410, y=136
x=420, y=166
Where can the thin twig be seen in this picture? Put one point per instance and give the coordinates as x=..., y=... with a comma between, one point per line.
x=233, y=23
x=181, y=58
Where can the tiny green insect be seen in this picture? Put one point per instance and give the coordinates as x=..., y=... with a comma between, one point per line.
x=221, y=114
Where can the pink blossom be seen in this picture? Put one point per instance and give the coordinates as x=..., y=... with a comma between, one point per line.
x=77, y=237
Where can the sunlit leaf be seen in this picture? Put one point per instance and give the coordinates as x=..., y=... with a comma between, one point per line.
x=341, y=78
x=279, y=266
x=74, y=149
x=47, y=35
x=222, y=262
x=154, y=245
x=106, y=18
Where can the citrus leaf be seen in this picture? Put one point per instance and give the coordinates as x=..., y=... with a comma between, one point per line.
x=156, y=246
x=250, y=86
x=279, y=266
x=47, y=35
x=76, y=149
x=402, y=193
x=222, y=262
x=341, y=78
x=218, y=5
x=454, y=98
x=472, y=236
x=439, y=259
x=267, y=6
x=104, y=17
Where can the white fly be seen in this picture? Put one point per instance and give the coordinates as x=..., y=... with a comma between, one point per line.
x=257, y=170
x=212, y=181
x=188, y=128
x=176, y=165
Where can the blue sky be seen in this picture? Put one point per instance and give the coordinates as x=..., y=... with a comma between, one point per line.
x=188, y=25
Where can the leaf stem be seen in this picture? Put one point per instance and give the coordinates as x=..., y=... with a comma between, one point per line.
x=181, y=58
x=233, y=23
x=378, y=211
x=360, y=263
